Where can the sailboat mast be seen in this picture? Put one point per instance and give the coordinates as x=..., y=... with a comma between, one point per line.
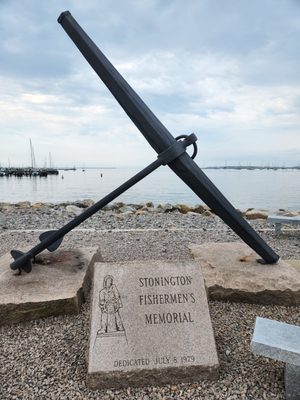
x=33, y=162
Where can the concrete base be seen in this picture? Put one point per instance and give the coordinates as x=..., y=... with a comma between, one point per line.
x=57, y=285
x=231, y=272
x=276, y=340
x=280, y=341
x=292, y=381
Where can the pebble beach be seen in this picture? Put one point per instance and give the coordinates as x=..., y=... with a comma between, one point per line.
x=46, y=358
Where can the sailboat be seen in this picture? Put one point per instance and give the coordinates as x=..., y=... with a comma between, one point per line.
x=34, y=171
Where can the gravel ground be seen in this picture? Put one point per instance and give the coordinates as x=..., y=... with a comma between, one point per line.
x=45, y=359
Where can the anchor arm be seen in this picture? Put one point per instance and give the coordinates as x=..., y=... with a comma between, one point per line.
x=52, y=240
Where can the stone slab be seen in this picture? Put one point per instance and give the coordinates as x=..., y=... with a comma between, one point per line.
x=56, y=285
x=231, y=272
x=151, y=326
x=292, y=382
x=295, y=264
x=276, y=340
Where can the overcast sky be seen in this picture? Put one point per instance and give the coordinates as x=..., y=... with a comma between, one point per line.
x=227, y=70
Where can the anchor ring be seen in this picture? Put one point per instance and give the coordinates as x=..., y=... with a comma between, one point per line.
x=194, y=145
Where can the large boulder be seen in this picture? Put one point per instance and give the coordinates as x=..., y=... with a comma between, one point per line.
x=231, y=272
x=23, y=204
x=5, y=206
x=84, y=203
x=286, y=213
x=183, y=208
x=126, y=209
x=57, y=284
x=208, y=213
x=73, y=210
x=254, y=213
x=200, y=209
x=168, y=207
x=38, y=205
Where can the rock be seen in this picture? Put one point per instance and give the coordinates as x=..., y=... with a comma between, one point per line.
x=141, y=212
x=5, y=206
x=108, y=207
x=114, y=206
x=57, y=285
x=126, y=209
x=147, y=210
x=183, y=208
x=168, y=207
x=159, y=330
x=135, y=206
x=208, y=213
x=240, y=212
x=38, y=205
x=200, y=209
x=256, y=214
x=117, y=205
x=232, y=273
x=23, y=204
x=288, y=213
x=65, y=204
x=73, y=210
x=149, y=204
x=84, y=203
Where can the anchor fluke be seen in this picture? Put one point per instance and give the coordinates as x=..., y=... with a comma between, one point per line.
x=22, y=261
x=53, y=246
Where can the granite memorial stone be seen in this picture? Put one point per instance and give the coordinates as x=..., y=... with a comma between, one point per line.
x=150, y=325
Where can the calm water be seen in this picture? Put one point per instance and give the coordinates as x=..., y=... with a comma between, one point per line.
x=263, y=189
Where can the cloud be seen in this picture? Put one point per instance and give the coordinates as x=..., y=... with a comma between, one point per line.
x=227, y=71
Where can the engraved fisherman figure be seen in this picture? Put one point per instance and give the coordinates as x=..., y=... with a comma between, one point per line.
x=109, y=304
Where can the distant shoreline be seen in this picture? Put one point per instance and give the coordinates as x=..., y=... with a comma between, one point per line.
x=252, y=168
